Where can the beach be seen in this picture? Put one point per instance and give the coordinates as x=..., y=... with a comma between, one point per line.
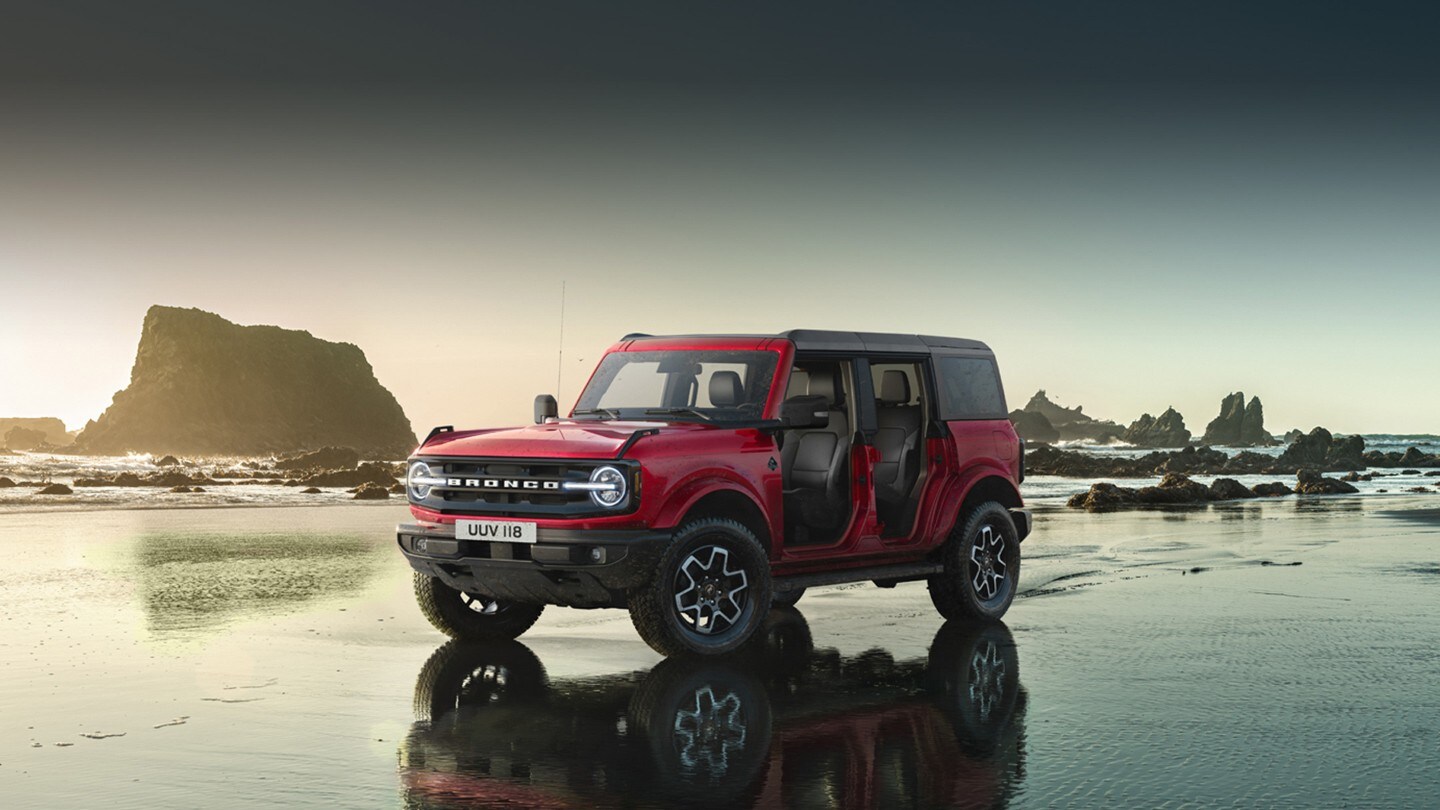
x=1277, y=653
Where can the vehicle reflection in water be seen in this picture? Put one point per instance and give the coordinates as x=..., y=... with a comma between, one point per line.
x=779, y=725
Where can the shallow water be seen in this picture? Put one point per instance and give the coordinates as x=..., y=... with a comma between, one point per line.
x=1256, y=654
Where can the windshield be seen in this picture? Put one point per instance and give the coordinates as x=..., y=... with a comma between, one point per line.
x=715, y=386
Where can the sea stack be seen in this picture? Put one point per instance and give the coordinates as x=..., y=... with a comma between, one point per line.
x=202, y=385
x=1166, y=431
x=1239, y=424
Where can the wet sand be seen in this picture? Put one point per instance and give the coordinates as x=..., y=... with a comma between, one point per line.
x=1283, y=653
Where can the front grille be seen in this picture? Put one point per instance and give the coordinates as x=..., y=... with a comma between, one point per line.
x=503, y=487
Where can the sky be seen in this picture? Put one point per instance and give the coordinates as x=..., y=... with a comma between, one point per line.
x=1137, y=205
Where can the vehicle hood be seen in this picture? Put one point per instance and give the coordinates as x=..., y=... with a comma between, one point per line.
x=556, y=440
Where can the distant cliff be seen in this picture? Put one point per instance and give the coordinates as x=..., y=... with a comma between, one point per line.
x=202, y=385
x=1072, y=423
x=50, y=430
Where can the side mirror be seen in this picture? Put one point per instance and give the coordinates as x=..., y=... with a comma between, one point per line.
x=809, y=411
x=546, y=409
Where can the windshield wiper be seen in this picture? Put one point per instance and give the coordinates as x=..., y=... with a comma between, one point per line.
x=608, y=413
x=677, y=412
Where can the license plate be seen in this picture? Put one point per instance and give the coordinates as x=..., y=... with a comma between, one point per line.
x=495, y=531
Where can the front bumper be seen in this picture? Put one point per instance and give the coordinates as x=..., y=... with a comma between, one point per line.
x=575, y=568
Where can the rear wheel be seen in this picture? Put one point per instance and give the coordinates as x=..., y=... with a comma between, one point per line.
x=982, y=566
x=471, y=617
x=709, y=593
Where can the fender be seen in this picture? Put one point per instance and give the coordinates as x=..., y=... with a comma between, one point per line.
x=692, y=488
x=961, y=487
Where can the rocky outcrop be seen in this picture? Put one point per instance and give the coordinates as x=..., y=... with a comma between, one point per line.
x=55, y=489
x=51, y=430
x=1239, y=424
x=1274, y=489
x=1034, y=427
x=1313, y=483
x=326, y=458
x=1072, y=424
x=1174, y=488
x=372, y=492
x=1166, y=431
x=202, y=385
x=1319, y=450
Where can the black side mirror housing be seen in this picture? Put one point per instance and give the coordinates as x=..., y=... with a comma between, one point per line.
x=809, y=411
x=546, y=409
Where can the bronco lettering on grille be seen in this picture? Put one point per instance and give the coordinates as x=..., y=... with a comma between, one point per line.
x=503, y=483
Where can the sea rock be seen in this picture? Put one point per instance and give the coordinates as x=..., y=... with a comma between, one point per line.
x=1034, y=427
x=5, y=482
x=1313, y=483
x=1274, y=489
x=1166, y=431
x=56, y=489
x=202, y=385
x=1292, y=434
x=1413, y=457
x=51, y=430
x=310, y=491
x=372, y=492
x=397, y=489
x=1319, y=450
x=1072, y=423
x=326, y=458
x=167, y=461
x=1174, y=488
x=1238, y=425
x=1228, y=489
x=367, y=473
x=181, y=488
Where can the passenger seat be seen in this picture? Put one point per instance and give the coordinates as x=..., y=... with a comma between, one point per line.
x=897, y=440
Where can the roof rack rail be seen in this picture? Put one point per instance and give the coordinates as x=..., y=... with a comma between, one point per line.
x=634, y=335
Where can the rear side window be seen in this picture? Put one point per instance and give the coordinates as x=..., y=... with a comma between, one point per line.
x=969, y=388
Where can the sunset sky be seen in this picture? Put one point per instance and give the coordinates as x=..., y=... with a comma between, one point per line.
x=1140, y=206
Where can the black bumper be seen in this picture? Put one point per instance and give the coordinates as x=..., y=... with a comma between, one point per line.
x=583, y=569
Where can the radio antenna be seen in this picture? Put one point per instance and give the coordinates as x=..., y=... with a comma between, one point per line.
x=560, y=355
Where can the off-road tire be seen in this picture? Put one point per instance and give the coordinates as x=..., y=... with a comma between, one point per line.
x=954, y=591
x=447, y=610
x=653, y=607
x=787, y=598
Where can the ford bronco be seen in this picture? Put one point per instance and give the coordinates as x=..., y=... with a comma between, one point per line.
x=698, y=480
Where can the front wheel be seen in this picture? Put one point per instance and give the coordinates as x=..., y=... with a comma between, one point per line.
x=709, y=592
x=982, y=566
x=471, y=617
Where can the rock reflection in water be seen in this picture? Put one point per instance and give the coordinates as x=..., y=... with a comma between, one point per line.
x=778, y=725
x=198, y=582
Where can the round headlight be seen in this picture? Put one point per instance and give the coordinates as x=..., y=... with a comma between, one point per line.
x=417, y=480
x=610, y=489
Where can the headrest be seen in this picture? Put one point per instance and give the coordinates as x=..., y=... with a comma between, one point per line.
x=822, y=384
x=726, y=390
x=894, y=387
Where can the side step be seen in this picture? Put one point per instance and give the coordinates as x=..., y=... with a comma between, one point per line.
x=884, y=575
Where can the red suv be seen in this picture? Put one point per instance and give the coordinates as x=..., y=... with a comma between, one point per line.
x=700, y=479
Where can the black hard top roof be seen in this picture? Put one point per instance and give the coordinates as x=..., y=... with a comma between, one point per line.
x=826, y=340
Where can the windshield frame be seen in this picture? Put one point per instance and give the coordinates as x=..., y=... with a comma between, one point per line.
x=763, y=368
